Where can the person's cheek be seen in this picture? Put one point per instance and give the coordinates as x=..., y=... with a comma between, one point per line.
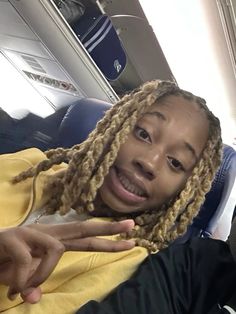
x=166, y=188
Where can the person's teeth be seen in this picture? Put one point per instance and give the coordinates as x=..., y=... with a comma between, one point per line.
x=129, y=186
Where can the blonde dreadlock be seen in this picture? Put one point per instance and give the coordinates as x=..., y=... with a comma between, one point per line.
x=89, y=163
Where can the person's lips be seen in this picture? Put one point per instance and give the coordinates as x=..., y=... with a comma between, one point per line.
x=126, y=186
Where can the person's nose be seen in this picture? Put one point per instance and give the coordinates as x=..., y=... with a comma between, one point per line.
x=147, y=164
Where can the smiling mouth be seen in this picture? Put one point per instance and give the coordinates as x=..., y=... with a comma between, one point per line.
x=130, y=186
x=125, y=187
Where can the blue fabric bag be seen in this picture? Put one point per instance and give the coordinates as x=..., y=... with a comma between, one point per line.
x=100, y=39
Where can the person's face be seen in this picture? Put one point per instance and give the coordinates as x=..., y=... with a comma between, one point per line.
x=153, y=165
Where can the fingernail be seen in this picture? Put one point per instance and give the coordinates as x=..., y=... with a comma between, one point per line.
x=130, y=221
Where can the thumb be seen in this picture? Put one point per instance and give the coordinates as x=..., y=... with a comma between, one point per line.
x=31, y=295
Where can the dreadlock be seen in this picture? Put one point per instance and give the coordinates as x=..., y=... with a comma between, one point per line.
x=89, y=163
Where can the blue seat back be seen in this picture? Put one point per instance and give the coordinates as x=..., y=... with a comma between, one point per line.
x=215, y=216
x=80, y=119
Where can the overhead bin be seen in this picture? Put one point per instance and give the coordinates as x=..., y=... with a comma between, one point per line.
x=41, y=45
x=141, y=56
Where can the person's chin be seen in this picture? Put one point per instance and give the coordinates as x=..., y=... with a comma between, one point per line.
x=117, y=208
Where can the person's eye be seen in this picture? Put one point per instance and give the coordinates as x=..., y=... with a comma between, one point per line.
x=175, y=164
x=142, y=134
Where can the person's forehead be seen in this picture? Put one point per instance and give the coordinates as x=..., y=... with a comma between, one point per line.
x=173, y=102
x=180, y=107
x=185, y=116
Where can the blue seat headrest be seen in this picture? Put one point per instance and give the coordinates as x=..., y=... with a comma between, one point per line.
x=80, y=119
x=215, y=213
x=214, y=196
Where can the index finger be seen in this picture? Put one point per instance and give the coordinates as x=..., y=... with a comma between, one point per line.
x=98, y=245
x=87, y=229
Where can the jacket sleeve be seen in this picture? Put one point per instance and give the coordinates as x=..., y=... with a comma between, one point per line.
x=185, y=278
x=17, y=201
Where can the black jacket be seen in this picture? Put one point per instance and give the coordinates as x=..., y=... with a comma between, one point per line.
x=198, y=277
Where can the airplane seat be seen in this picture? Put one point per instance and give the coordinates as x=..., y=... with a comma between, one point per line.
x=215, y=216
x=66, y=127
x=41, y=132
x=80, y=119
x=220, y=223
x=29, y=131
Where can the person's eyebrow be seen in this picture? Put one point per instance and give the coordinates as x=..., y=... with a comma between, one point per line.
x=157, y=114
x=192, y=150
x=161, y=116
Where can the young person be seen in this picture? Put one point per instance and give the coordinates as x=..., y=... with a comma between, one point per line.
x=151, y=158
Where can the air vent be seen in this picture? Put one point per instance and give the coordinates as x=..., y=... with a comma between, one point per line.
x=33, y=63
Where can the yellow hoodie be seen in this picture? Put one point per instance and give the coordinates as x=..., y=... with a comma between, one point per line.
x=79, y=276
